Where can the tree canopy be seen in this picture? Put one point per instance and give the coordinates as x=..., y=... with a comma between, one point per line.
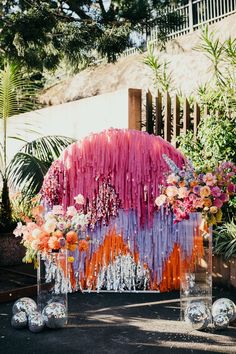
x=38, y=34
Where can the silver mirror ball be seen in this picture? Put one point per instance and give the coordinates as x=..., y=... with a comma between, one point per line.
x=24, y=304
x=19, y=320
x=226, y=307
x=198, y=315
x=55, y=315
x=35, y=322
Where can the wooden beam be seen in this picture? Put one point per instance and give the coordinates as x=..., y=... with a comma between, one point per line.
x=134, y=108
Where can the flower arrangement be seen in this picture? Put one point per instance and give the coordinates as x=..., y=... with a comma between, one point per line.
x=53, y=230
x=188, y=191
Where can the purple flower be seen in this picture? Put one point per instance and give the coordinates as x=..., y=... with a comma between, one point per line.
x=196, y=189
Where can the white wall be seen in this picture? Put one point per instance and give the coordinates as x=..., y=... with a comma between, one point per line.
x=75, y=119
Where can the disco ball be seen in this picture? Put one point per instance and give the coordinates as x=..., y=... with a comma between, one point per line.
x=55, y=315
x=198, y=315
x=221, y=321
x=24, y=304
x=226, y=307
x=35, y=322
x=19, y=320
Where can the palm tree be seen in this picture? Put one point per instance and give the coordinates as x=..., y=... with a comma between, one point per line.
x=28, y=167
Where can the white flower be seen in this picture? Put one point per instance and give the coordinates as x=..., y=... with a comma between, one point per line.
x=79, y=199
x=71, y=211
x=49, y=216
x=50, y=225
x=36, y=233
x=160, y=200
x=19, y=229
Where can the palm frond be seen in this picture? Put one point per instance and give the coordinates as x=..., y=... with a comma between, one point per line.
x=28, y=167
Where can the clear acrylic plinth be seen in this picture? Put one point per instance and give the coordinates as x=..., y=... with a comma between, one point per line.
x=195, y=264
x=52, y=278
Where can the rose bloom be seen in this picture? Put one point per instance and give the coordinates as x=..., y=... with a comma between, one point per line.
x=54, y=243
x=218, y=203
x=198, y=203
x=50, y=225
x=58, y=234
x=172, y=179
x=207, y=202
x=171, y=191
x=216, y=191
x=209, y=179
x=205, y=191
x=224, y=197
x=71, y=237
x=160, y=200
x=192, y=197
x=183, y=192
x=213, y=209
x=231, y=188
x=35, y=244
x=79, y=199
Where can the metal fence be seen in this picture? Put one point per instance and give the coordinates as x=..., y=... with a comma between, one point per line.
x=195, y=14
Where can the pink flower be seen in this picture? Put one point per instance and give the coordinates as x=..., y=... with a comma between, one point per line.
x=172, y=179
x=216, y=191
x=183, y=192
x=160, y=200
x=171, y=191
x=57, y=210
x=231, y=188
x=218, y=203
x=224, y=197
x=192, y=197
x=198, y=203
x=209, y=179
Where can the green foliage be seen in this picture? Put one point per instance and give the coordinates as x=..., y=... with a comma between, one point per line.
x=162, y=78
x=215, y=142
x=41, y=34
x=225, y=239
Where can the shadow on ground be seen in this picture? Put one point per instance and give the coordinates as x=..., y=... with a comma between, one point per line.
x=118, y=323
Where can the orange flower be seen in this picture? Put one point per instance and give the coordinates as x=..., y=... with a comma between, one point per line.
x=71, y=237
x=72, y=247
x=193, y=183
x=54, y=243
x=44, y=238
x=181, y=184
x=207, y=202
x=83, y=245
x=38, y=210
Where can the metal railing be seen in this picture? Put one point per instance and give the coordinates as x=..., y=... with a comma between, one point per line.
x=195, y=14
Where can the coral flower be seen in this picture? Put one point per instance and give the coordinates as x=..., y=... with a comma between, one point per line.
x=171, y=191
x=205, y=191
x=58, y=234
x=54, y=243
x=72, y=247
x=83, y=245
x=71, y=237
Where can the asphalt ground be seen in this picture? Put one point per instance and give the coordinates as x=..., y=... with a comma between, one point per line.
x=119, y=323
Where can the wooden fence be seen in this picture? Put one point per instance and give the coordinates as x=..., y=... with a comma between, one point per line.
x=162, y=114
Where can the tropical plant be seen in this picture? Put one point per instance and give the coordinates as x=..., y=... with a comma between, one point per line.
x=27, y=168
x=225, y=239
x=162, y=77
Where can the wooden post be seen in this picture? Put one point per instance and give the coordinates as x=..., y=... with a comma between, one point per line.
x=167, y=118
x=186, y=116
x=196, y=118
x=176, y=120
x=149, y=118
x=206, y=111
x=134, y=108
x=159, y=120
